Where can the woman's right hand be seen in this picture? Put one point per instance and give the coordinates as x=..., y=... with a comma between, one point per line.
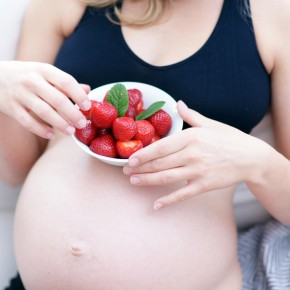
x=38, y=95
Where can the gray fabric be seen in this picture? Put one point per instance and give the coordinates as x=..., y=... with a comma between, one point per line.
x=264, y=253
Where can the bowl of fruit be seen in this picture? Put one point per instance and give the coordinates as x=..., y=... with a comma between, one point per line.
x=126, y=117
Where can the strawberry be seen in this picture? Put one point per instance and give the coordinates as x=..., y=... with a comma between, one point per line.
x=139, y=107
x=145, y=132
x=103, y=131
x=103, y=114
x=161, y=122
x=87, y=134
x=124, y=128
x=126, y=148
x=135, y=96
x=155, y=138
x=131, y=112
x=87, y=113
x=104, y=145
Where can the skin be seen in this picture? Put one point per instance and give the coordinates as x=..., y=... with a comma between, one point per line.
x=62, y=210
x=21, y=85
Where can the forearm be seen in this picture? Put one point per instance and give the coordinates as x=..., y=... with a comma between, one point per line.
x=19, y=149
x=35, y=96
x=271, y=185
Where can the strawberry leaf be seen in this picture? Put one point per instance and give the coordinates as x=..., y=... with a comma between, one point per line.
x=118, y=97
x=150, y=110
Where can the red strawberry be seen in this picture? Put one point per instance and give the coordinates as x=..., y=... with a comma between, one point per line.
x=134, y=96
x=161, y=121
x=87, y=134
x=103, y=114
x=103, y=131
x=155, y=138
x=139, y=107
x=131, y=112
x=87, y=113
x=126, y=148
x=145, y=132
x=124, y=128
x=104, y=145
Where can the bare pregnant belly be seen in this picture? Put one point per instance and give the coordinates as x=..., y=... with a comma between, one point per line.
x=80, y=225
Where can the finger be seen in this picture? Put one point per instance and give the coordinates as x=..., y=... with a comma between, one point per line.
x=191, y=189
x=161, y=178
x=68, y=85
x=192, y=117
x=46, y=113
x=32, y=125
x=195, y=186
x=61, y=104
x=159, y=164
x=86, y=87
x=163, y=147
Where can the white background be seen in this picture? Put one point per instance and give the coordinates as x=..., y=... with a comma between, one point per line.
x=11, y=13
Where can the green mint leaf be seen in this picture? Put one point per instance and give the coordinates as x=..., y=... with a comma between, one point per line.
x=150, y=110
x=118, y=97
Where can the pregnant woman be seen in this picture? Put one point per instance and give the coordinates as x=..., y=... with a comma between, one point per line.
x=165, y=221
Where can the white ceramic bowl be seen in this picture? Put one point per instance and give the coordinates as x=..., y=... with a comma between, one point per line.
x=151, y=94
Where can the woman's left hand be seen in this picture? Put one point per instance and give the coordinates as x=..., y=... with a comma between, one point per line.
x=209, y=155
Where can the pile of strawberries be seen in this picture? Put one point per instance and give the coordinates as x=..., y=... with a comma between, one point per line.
x=119, y=125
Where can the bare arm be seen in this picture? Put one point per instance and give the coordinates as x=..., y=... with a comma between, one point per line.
x=211, y=155
x=34, y=95
x=274, y=191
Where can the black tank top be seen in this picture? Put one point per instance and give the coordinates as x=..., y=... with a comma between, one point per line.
x=224, y=80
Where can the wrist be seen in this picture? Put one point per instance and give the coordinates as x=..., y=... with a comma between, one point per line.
x=261, y=163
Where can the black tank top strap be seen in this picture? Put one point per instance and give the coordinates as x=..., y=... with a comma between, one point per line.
x=89, y=12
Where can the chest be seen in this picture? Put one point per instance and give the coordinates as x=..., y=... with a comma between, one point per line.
x=221, y=77
x=182, y=30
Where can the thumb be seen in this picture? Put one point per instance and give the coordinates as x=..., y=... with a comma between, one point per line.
x=191, y=117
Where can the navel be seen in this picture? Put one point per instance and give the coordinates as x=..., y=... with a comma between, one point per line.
x=78, y=249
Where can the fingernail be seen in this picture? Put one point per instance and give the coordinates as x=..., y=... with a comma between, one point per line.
x=134, y=180
x=82, y=123
x=127, y=170
x=158, y=205
x=70, y=130
x=50, y=135
x=182, y=104
x=86, y=105
x=133, y=161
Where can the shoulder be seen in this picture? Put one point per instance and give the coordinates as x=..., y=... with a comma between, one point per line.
x=63, y=15
x=46, y=25
x=271, y=20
